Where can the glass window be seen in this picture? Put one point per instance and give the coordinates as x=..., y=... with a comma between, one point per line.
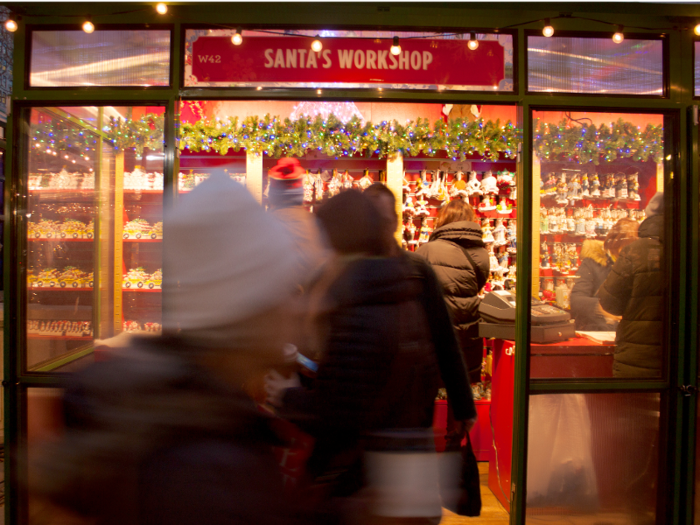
x=349, y=59
x=598, y=219
x=593, y=458
x=697, y=69
x=93, y=222
x=102, y=58
x=595, y=65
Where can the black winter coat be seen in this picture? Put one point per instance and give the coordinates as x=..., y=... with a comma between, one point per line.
x=378, y=371
x=459, y=282
x=634, y=290
x=453, y=370
x=594, y=269
x=152, y=438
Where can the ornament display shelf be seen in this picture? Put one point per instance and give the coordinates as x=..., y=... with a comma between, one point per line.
x=57, y=239
x=56, y=208
x=58, y=289
x=143, y=240
x=573, y=209
x=61, y=337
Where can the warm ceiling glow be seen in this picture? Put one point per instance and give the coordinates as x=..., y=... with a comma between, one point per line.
x=11, y=25
x=317, y=45
x=161, y=8
x=88, y=26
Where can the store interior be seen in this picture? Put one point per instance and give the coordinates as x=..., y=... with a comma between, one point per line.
x=94, y=228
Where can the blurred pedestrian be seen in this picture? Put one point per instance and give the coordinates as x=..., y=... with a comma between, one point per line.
x=465, y=498
x=377, y=377
x=286, y=197
x=165, y=432
x=634, y=290
x=450, y=360
x=597, y=258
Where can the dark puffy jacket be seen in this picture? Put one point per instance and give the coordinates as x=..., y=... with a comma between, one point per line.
x=378, y=370
x=459, y=282
x=152, y=438
x=453, y=370
x=595, y=267
x=634, y=290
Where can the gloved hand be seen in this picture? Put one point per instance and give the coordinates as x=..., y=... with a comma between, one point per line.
x=276, y=384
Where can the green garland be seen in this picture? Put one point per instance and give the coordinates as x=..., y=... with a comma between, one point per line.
x=147, y=132
x=588, y=143
x=278, y=138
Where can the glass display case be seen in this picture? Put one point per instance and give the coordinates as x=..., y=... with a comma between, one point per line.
x=93, y=229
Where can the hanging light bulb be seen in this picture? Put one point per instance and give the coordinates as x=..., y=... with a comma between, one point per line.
x=317, y=45
x=696, y=29
x=473, y=42
x=88, y=26
x=237, y=38
x=11, y=25
x=161, y=8
x=547, y=30
x=395, y=46
x=618, y=37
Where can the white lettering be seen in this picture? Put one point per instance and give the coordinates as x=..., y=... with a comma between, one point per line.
x=311, y=61
x=415, y=60
x=359, y=59
x=427, y=59
x=381, y=59
x=279, y=59
x=394, y=62
x=327, y=58
x=203, y=58
x=371, y=59
x=404, y=59
x=291, y=58
x=302, y=54
x=268, y=58
x=345, y=58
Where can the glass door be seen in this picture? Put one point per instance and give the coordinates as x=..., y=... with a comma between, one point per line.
x=601, y=316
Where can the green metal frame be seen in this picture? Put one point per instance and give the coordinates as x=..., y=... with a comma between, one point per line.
x=680, y=431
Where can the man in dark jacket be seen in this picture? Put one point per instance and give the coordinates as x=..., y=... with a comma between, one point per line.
x=378, y=370
x=634, y=290
x=453, y=370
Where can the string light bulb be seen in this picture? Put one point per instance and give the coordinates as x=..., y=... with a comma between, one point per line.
x=88, y=26
x=618, y=37
x=317, y=45
x=161, y=8
x=696, y=29
x=548, y=30
x=473, y=42
x=11, y=25
x=237, y=38
x=395, y=46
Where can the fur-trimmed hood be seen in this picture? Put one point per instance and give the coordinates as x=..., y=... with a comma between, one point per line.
x=593, y=249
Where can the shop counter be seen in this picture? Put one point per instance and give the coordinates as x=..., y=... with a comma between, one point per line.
x=576, y=358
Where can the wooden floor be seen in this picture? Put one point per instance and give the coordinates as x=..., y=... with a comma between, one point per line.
x=492, y=512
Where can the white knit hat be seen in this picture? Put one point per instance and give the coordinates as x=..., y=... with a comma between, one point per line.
x=226, y=260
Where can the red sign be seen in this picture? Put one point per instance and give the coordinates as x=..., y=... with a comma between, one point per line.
x=347, y=60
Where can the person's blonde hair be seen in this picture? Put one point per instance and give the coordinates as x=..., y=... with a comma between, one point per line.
x=455, y=211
